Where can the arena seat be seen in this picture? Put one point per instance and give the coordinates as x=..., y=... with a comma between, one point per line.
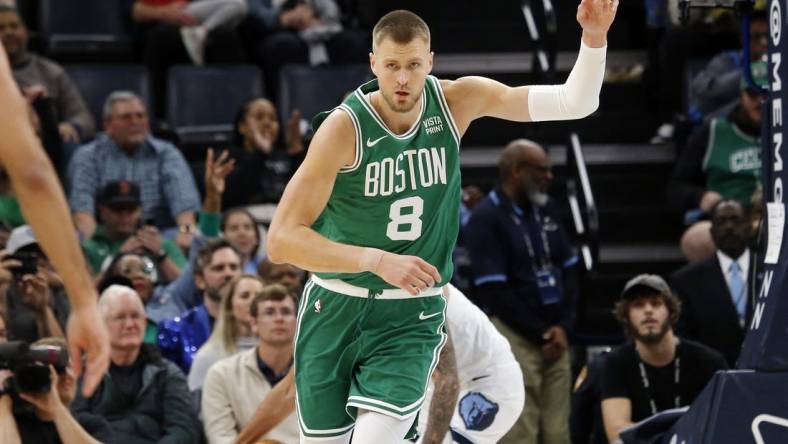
x=98, y=28
x=202, y=101
x=315, y=89
x=96, y=82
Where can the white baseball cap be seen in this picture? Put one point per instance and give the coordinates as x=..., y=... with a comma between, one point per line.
x=20, y=237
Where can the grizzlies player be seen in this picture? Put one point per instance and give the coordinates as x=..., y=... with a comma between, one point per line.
x=491, y=391
x=373, y=212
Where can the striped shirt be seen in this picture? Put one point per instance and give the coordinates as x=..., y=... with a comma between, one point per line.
x=166, y=183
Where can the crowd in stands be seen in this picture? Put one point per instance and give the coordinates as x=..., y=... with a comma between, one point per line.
x=201, y=324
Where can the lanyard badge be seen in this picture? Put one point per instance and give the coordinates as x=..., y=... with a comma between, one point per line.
x=539, y=250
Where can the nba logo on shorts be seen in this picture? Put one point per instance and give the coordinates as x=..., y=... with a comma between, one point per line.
x=317, y=306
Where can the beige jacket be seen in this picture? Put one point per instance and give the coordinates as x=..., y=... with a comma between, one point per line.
x=233, y=389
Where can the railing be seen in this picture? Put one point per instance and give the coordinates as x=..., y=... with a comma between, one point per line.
x=544, y=52
x=582, y=204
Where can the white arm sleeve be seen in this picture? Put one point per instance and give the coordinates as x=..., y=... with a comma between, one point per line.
x=576, y=98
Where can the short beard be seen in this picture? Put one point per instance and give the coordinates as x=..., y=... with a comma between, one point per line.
x=396, y=108
x=537, y=198
x=214, y=294
x=650, y=338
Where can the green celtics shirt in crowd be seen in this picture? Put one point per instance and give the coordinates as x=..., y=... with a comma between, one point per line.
x=732, y=162
x=402, y=193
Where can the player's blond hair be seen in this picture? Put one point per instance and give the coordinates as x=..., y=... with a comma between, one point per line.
x=401, y=26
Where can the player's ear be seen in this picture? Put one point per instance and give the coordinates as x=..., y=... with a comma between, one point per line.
x=429, y=62
x=372, y=62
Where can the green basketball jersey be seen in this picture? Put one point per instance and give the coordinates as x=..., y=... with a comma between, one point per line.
x=732, y=162
x=402, y=193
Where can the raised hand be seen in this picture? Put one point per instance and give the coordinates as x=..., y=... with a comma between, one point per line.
x=293, y=135
x=216, y=171
x=596, y=16
x=87, y=333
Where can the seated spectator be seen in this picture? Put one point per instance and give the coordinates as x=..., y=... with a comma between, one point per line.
x=717, y=85
x=288, y=275
x=128, y=152
x=199, y=18
x=264, y=159
x=240, y=229
x=233, y=330
x=236, y=386
x=722, y=160
x=167, y=35
x=138, y=273
x=180, y=337
x=657, y=370
x=121, y=229
x=47, y=419
x=300, y=32
x=40, y=77
x=715, y=293
x=144, y=397
x=36, y=303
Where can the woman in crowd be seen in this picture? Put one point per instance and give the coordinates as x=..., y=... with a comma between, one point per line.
x=232, y=332
x=240, y=229
x=264, y=160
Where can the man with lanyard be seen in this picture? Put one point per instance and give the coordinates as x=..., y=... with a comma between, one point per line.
x=658, y=370
x=523, y=270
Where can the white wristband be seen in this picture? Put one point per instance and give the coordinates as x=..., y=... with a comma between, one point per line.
x=578, y=96
x=370, y=259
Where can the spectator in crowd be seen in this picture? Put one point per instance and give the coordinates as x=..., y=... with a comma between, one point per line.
x=128, y=152
x=657, y=370
x=40, y=77
x=49, y=421
x=288, y=275
x=301, y=32
x=717, y=85
x=166, y=33
x=144, y=397
x=240, y=229
x=523, y=270
x=138, y=273
x=199, y=18
x=236, y=386
x=121, y=229
x=36, y=303
x=715, y=293
x=233, y=330
x=264, y=161
x=721, y=160
x=179, y=338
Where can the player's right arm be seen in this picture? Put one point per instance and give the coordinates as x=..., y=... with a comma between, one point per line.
x=44, y=207
x=291, y=238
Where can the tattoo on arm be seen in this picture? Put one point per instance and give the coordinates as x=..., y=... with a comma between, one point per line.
x=444, y=397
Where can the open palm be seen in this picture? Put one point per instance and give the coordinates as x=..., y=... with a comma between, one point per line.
x=596, y=16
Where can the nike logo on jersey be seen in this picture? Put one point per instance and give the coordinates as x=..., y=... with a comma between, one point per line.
x=422, y=316
x=480, y=377
x=371, y=143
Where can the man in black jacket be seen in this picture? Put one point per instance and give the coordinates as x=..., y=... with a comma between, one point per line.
x=524, y=274
x=144, y=397
x=715, y=293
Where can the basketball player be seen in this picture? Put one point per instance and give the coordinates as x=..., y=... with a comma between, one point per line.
x=491, y=391
x=374, y=212
x=44, y=206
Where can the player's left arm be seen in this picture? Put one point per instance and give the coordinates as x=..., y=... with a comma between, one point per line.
x=444, y=397
x=473, y=97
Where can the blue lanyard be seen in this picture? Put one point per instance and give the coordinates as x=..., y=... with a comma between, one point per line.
x=544, y=260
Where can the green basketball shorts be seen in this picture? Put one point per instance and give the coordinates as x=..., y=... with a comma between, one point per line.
x=363, y=349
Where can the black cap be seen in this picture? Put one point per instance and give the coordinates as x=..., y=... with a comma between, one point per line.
x=641, y=282
x=120, y=192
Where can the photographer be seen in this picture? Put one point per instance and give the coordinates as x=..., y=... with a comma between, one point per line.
x=36, y=303
x=49, y=420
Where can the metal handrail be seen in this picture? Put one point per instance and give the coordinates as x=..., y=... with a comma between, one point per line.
x=585, y=217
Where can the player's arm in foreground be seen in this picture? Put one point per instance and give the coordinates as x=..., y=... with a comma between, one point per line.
x=44, y=206
x=277, y=406
x=444, y=396
x=473, y=97
x=291, y=238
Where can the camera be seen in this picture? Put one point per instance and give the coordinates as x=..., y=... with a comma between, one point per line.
x=29, y=261
x=30, y=366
